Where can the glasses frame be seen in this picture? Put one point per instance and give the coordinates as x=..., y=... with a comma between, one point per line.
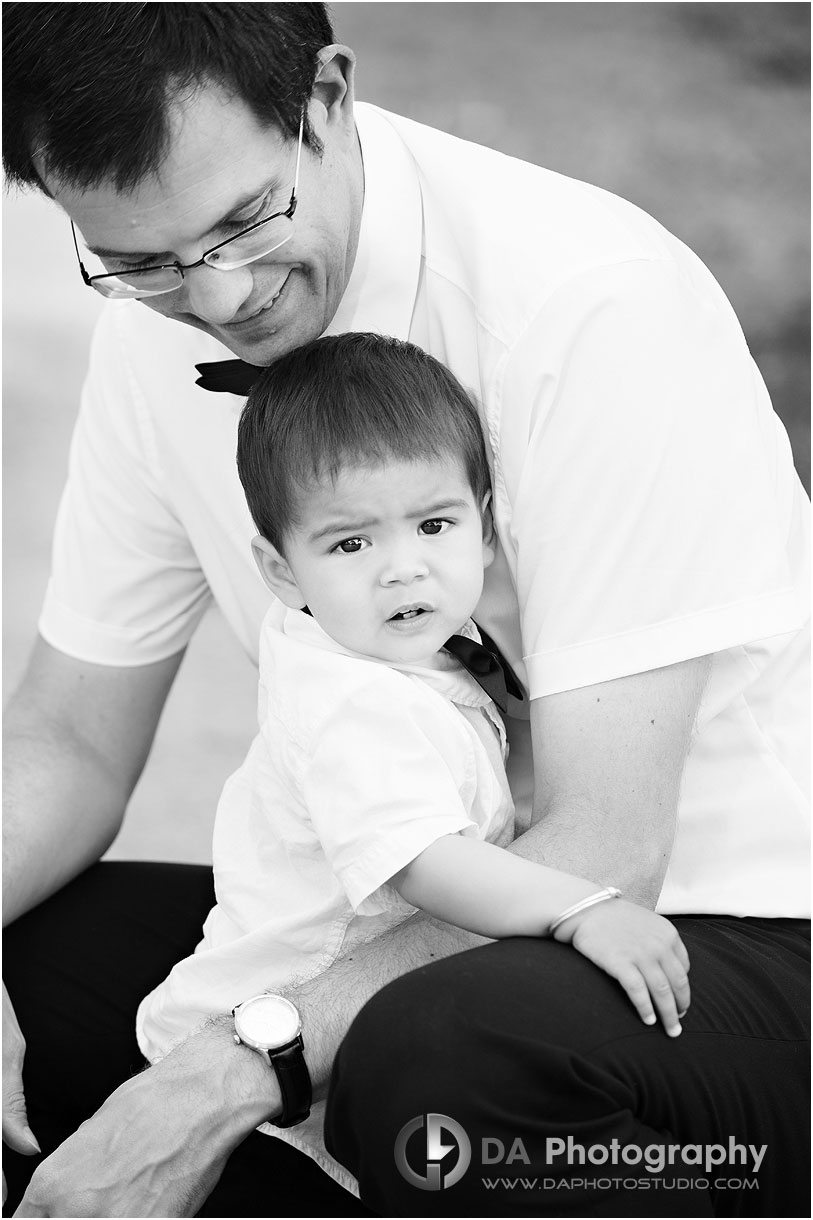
x=92, y=281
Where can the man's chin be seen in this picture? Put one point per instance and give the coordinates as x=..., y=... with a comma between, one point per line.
x=263, y=349
x=272, y=338
x=261, y=352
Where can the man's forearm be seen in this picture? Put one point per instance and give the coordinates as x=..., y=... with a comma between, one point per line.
x=158, y=1144
x=328, y=1003
x=572, y=841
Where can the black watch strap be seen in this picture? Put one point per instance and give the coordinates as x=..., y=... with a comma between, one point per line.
x=294, y=1084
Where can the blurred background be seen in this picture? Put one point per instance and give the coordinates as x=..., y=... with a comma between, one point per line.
x=698, y=113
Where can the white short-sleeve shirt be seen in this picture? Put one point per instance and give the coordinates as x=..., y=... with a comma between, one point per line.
x=645, y=500
x=358, y=766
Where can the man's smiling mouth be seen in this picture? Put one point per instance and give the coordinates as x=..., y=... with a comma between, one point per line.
x=269, y=304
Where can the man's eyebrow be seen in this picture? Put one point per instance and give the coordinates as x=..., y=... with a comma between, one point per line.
x=426, y=513
x=140, y=256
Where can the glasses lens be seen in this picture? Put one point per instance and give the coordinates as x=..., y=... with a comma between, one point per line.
x=247, y=247
x=134, y=284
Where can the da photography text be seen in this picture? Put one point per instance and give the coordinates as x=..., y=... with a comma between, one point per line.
x=433, y=1152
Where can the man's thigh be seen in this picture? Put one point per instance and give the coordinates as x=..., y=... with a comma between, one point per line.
x=76, y=969
x=77, y=966
x=526, y=1040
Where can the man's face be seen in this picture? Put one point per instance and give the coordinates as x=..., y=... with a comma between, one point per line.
x=390, y=559
x=223, y=171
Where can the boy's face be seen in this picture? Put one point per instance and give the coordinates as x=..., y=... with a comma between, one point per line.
x=389, y=560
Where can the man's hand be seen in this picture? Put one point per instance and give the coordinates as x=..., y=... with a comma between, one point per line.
x=16, y=1131
x=158, y=1145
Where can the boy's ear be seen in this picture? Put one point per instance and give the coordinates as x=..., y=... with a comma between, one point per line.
x=489, y=534
x=276, y=572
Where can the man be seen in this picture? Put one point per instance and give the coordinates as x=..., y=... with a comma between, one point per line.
x=649, y=587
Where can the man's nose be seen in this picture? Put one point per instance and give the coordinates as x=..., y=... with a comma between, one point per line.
x=216, y=296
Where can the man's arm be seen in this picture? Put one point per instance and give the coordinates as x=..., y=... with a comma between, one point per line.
x=608, y=763
x=75, y=740
x=76, y=737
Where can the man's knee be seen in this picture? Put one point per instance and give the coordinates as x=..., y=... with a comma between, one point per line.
x=508, y=1020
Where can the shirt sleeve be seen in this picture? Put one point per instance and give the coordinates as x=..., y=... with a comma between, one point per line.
x=391, y=772
x=126, y=587
x=649, y=486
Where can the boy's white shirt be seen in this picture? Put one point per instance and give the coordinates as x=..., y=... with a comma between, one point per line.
x=359, y=765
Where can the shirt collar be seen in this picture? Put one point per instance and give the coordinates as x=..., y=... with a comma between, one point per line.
x=382, y=289
x=450, y=679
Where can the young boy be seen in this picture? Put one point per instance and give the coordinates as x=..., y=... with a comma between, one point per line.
x=376, y=784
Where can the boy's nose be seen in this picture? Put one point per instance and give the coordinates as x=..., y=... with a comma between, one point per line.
x=404, y=567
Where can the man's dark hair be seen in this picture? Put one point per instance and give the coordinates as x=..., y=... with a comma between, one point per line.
x=349, y=400
x=88, y=86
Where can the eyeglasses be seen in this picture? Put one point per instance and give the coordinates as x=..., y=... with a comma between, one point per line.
x=259, y=239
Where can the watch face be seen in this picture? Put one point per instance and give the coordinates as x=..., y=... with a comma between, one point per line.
x=267, y=1021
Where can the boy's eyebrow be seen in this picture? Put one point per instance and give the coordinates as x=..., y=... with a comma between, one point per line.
x=341, y=527
x=137, y=255
x=357, y=527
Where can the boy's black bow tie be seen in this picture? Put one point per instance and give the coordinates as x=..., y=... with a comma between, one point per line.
x=487, y=666
x=227, y=376
x=485, y=663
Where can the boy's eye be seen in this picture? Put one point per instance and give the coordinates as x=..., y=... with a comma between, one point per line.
x=350, y=546
x=435, y=525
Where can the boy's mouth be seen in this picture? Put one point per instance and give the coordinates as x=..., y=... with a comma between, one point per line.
x=406, y=614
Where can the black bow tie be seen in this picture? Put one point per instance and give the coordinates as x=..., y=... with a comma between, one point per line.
x=485, y=663
x=227, y=376
x=487, y=666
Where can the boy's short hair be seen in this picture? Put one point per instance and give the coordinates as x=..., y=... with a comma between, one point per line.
x=349, y=400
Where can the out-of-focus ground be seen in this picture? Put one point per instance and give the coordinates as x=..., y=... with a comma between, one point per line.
x=699, y=113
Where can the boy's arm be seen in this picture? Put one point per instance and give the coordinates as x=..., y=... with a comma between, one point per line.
x=484, y=889
x=487, y=890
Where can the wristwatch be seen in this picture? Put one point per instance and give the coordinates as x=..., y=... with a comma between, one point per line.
x=270, y=1025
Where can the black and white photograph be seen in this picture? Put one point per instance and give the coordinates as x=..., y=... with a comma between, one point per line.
x=406, y=616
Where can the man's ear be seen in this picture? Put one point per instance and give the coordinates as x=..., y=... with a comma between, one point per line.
x=276, y=572
x=333, y=86
x=489, y=534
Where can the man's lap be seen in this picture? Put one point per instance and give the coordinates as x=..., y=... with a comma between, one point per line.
x=525, y=1039
x=521, y=1015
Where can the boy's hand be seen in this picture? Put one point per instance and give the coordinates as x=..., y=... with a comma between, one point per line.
x=642, y=951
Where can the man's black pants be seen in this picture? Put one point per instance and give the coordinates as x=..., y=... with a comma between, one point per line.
x=533, y=1059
